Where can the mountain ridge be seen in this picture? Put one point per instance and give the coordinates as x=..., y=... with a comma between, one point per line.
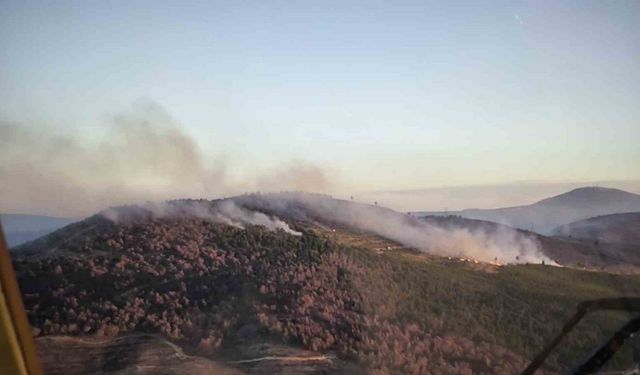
x=623, y=228
x=545, y=215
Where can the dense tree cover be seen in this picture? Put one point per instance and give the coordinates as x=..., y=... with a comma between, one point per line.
x=518, y=307
x=198, y=283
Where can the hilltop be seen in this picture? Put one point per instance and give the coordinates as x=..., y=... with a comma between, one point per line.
x=354, y=223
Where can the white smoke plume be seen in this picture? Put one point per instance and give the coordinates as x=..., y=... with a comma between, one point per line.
x=228, y=210
x=485, y=243
x=224, y=211
x=145, y=155
x=502, y=243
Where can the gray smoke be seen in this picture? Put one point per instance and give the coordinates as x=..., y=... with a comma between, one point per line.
x=478, y=243
x=503, y=243
x=144, y=154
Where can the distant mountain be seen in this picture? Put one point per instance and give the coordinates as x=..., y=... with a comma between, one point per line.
x=546, y=215
x=20, y=228
x=617, y=228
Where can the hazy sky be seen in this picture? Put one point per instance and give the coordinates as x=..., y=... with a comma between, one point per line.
x=374, y=95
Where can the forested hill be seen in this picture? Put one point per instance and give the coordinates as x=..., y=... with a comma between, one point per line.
x=213, y=287
x=617, y=228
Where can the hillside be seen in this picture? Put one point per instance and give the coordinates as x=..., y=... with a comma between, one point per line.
x=546, y=215
x=564, y=250
x=20, y=228
x=66, y=355
x=617, y=228
x=149, y=354
x=214, y=282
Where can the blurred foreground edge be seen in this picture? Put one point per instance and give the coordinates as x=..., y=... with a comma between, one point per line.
x=595, y=362
x=17, y=349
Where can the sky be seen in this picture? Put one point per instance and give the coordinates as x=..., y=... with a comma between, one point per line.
x=104, y=102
